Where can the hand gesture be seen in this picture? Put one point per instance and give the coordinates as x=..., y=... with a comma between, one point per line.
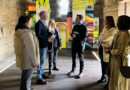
x=50, y=39
x=74, y=35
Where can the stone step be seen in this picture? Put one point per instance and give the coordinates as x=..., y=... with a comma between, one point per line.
x=5, y=64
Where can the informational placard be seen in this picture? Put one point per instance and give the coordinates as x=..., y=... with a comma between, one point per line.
x=96, y=27
x=96, y=32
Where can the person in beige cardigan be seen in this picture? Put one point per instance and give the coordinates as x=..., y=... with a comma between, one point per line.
x=119, y=51
x=105, y=39
x=27, y=51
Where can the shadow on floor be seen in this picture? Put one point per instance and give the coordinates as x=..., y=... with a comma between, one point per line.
x=9, y=83
x=92, y=86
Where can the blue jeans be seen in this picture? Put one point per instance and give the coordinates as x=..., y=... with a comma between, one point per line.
x=43, y=53
x=25, y=83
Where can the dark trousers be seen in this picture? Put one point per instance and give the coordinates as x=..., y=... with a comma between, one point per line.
x=80, y=52
x=26, y=76
x=53, y=58
x=105, y=68
x=104, y=65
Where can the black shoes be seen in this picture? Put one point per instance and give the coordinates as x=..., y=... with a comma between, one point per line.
x=56, y=69
x=41, y=82
x=44, y=76
x=102, y=80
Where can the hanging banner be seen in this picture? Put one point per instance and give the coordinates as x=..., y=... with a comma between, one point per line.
x=89, y=21
x=79, y=4
x=42, y=4
x=79, y=7
x=90, y=2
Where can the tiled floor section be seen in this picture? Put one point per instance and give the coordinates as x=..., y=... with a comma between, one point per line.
x=9, y=80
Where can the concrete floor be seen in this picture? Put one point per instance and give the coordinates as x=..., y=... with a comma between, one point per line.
x=9, y=80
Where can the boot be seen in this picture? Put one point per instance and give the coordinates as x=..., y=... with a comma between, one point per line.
x=102, y=80
x=56, y=69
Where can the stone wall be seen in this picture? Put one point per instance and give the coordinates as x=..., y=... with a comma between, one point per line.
x=111, y=8
x=10, y=10
x=116, y=8
x=124, y=8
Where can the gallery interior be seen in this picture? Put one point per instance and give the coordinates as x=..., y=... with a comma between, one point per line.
x=64, y=13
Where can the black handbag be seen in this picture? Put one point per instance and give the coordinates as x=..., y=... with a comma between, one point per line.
x=125, y=70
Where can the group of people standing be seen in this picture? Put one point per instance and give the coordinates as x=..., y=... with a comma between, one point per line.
x=31, y=49
x=114, y=46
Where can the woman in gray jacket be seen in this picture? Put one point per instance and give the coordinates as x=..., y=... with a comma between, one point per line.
x=53, y=47
x=27, y=51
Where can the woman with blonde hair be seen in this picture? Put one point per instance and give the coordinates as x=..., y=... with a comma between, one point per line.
x=53, y=47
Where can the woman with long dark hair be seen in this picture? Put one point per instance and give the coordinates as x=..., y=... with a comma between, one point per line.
x=119, y=52
x=105, y=39
x=26, y=50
